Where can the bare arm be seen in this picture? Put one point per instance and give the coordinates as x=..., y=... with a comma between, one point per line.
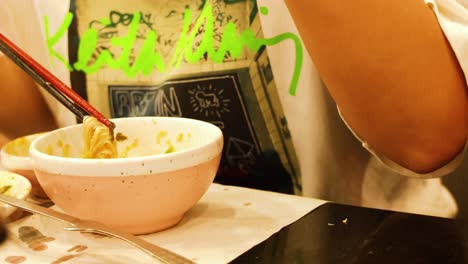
x=22, y=108
x=393, y=74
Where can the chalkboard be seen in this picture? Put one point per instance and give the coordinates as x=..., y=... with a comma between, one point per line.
x=227, y=100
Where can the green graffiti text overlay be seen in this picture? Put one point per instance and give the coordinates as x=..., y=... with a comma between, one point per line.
x=232, y=43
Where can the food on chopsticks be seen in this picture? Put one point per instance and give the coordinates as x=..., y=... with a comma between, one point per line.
x=99, y=141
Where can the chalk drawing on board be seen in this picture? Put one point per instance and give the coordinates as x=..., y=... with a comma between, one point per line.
x=240, y=152
x=167, y=105
x=209, y=100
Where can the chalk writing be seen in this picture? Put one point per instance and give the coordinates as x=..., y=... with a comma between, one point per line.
x=115, y=18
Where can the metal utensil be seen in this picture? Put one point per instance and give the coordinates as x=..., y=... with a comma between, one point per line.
x=163, y=255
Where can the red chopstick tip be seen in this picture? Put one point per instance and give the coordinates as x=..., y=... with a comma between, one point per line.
x=111, y=125
x=105, y=121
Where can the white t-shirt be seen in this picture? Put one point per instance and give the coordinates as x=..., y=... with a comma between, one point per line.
x=317, y=147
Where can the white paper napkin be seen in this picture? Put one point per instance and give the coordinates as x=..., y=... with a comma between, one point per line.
x=225, y=223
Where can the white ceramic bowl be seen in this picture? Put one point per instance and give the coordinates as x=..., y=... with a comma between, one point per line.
x=20, y=187
x=147, y=191
x=14, y=157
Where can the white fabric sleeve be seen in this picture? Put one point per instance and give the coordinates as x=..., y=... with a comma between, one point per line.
x=448, y=168
x=453, y=19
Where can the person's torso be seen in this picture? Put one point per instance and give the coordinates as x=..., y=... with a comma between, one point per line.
x=238, y=64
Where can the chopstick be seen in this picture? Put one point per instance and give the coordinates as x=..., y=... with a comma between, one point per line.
x=65, y=95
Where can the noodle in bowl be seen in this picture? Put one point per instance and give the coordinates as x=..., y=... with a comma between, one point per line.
x=165, y=165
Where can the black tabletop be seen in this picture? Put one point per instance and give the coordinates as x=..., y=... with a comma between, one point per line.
x=335, y=233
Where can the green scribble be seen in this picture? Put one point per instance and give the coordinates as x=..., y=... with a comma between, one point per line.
x=105, y=21
x=264, y=10
x=52, y=41
x=232, y=44
x=86, y=48
x=145, y=62
x=148, y=59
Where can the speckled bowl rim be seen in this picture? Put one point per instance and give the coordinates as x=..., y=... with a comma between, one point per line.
x=131, y=166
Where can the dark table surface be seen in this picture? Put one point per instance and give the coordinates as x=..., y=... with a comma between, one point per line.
x=335, y=233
